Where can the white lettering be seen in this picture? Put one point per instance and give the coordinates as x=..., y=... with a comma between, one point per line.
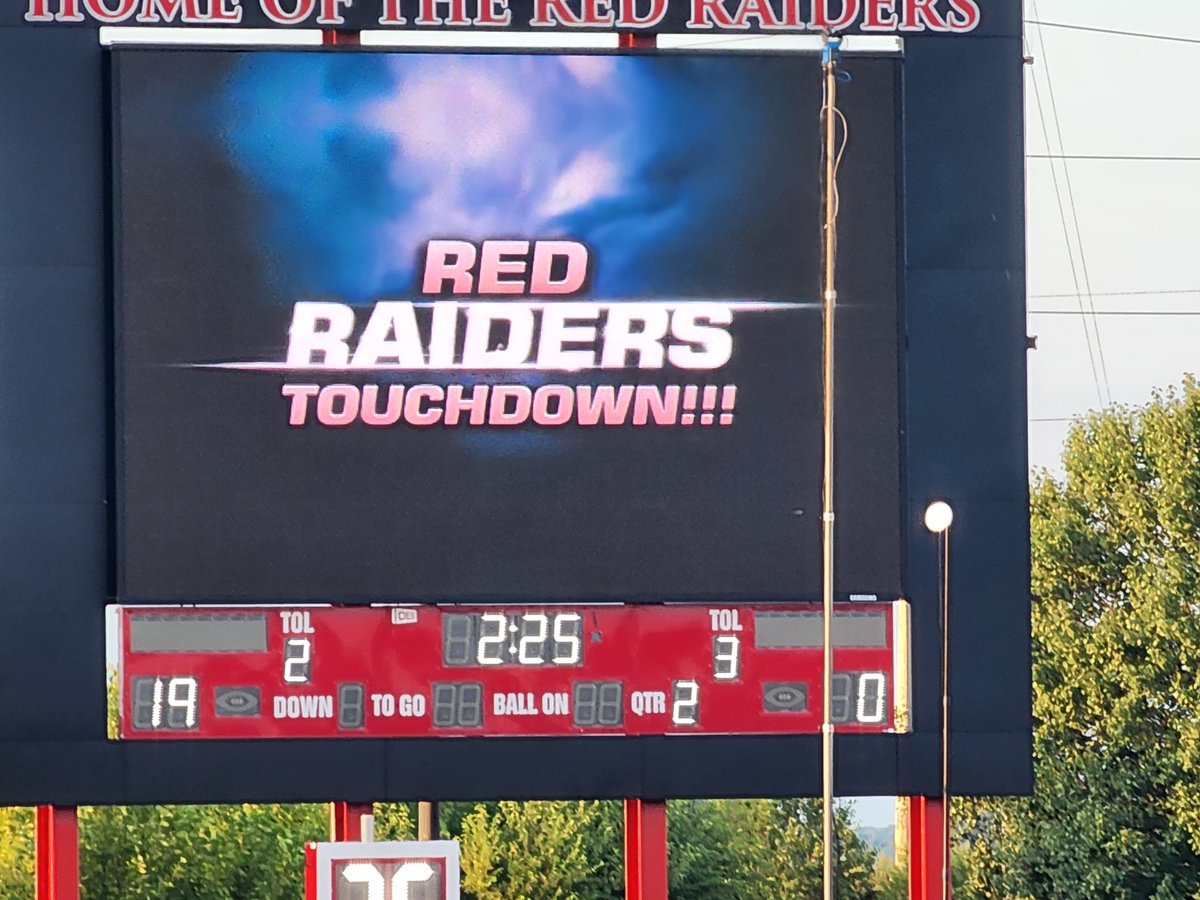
x=306, y=706
x=319, y=328
x=512, y=350
x=515, y=704
x=375, y=347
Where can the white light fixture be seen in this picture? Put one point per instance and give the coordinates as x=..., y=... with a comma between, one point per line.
x=938, y=516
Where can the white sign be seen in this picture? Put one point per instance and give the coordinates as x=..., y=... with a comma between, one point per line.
x=392, y=870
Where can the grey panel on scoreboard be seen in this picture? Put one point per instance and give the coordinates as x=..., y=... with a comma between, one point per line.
x=787, y=630
x=226, y=633
x=237, y=701
x=785, y=696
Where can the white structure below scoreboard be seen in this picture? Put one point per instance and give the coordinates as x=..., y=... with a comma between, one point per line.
x=391, y=870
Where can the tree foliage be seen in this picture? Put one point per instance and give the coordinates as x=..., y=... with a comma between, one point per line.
x=1116, y=654
x=719, y=850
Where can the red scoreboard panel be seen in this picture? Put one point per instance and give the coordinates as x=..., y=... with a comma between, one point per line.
x=424, y=671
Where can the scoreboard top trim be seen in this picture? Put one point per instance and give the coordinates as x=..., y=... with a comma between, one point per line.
x=981, y=18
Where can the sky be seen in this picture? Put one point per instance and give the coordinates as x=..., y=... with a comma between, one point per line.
x=1117, y=236
x=1138, y=220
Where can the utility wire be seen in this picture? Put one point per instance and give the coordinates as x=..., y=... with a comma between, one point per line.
x=1087, y=280
x=1116, y=312
x=1112, y=158
x=1087, y=335
x=1134, y=34
x=1157, y=293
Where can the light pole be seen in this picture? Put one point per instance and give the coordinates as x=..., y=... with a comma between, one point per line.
x=938, y=517
x=831, y=156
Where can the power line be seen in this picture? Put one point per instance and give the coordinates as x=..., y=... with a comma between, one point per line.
x=1087, y=332
x=1135, y=34
x=1116, y=312
x=1097, y=156
x=1156, y=293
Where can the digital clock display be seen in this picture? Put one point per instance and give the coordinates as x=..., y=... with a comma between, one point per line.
x=419, y=671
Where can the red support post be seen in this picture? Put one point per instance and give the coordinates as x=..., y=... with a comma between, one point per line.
x=927, y=875
x=340, y=38
x=57, y=853
x=345, y=820
x=310, y=871
x=645, y=850
x=630, y=40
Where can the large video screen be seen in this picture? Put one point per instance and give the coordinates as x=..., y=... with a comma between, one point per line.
x=437, y=327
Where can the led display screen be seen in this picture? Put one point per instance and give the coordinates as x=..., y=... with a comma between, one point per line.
x=484, y=327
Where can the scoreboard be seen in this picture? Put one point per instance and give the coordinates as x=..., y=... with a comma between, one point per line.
x=264, y=503
x=463, y=670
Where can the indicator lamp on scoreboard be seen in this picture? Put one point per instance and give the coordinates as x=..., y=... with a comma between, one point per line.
x=321, y=672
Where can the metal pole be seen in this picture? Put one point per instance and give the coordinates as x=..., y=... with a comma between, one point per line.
x=944, y=554
x=829, y=298
x=646, y=850
x=428, y=821
x=57, y=853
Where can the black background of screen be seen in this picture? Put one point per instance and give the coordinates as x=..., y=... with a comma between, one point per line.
x=220, y=500
x=964, y=402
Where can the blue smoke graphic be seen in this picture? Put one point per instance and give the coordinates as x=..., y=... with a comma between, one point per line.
x=669, y=170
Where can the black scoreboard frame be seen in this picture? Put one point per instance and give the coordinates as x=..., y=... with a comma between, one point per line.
x=964, y=439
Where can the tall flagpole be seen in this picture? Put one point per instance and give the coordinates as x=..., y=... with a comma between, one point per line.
x=829, y=58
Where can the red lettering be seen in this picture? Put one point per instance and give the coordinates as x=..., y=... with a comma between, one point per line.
x=68, y=11
x=553, y=12
x=37, y=12
x=497, y=259
x=429, y=15
x=628, y=17
x=493, y=12
x=331, y=13
x=219, y=12
x=451, y=260
x=879, y=15
x=391, y=13
x=604, y=403
x=921, y=14
x=596, y=12
x=300, y=394
x=418, y=405
x=168, y=10
x=968, y=12
x=707, y=13
x=572, y=253
x=758, y=8
x=823, y=21
x=102, y=13
x=274, y=11
x=791, y=14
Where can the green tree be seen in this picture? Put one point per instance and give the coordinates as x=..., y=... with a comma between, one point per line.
x=197, y=852
x=1116, y=657
x=527, y=851
x=16, y=854
x=788, y=865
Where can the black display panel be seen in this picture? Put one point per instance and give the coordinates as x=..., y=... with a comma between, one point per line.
x=438, y=327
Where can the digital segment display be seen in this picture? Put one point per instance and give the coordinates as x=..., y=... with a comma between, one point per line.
x=404, y=671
